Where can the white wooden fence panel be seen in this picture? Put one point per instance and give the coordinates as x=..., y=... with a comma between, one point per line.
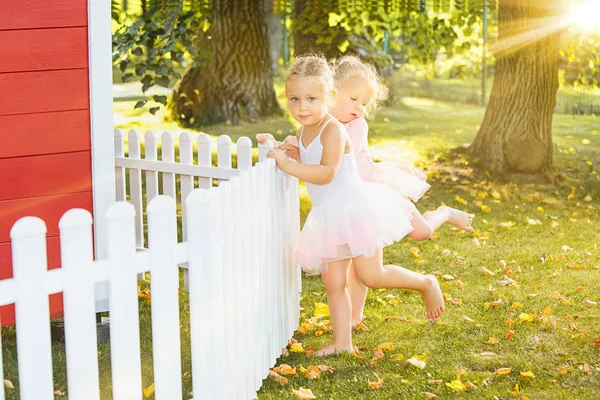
x=255, y=263
x=79, y=304
x=207, y=362
x=244, y=153
x=119, y=138
x=28, y=237
x=164, y=285
x=186, y=157
x=151, y=154
x=135, y=186
x=168, y=156
x=124, y=318
x=204, y=159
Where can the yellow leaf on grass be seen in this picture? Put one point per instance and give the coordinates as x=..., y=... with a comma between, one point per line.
x=400, y=319
x=503, y=371
x=297, y=348
x=524, y=317
x=149, y=391
x=456, y=385
x=385, y=346
x=376, y=385
x=416, y=362
x=312, y=372
x=589, y=303
x=285, y=369
x=493, y=340
x=8, y=384
x=397, y=356
x=487, y=271
x=527, y=374
x=515, y=389
x=562, y=369
x=304, y=394
x=321, y=309
x=325, y=368
x=435, y=381
x=361, y=327
x=282, y=380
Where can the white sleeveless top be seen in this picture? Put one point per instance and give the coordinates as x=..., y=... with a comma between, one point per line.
x=346, y=177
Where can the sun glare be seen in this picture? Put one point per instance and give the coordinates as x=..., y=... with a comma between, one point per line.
x=587, y=15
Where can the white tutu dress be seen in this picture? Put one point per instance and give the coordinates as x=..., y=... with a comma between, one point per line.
x=349, y=217
x=400, y=175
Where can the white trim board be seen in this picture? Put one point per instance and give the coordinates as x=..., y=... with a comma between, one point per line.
x=101, y=119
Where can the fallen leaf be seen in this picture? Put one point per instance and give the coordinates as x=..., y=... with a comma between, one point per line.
x=312, y=372
x=397, y=357
x=297, y=348
x=476, y=242
x=446, y=252
x=282, y=380
x=416, y=362
x=456, y=385
x=59, y=393
x=515, y=389
x=487, y=271
x=510, y=333
x=429, y=395
x=361, y=327
x=493, y=340
x=585, y=367
x=468, y=319
x=304, y=394
x=8, y=384
x=526, y=374
x=435, y=381
x=562, y=369
x=503, y=371
x=321, y=309
x=502, y=264
x=459, y=284
x=376, y=385
x=400, y=319
x=385, y=346
x=589, y=303
x=285, y=369
x=523, y=317
x=448, y=277
x=149, y=391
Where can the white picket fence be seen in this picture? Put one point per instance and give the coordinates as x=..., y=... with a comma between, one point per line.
x=243, y=287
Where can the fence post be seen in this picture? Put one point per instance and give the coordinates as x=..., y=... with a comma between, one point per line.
x=79, y=304
x=244, y=153
x=30, y=267
x=164, y=285
x=168, y=156
x=204, y=159
x=124, y=315
x=151, y=154
x=135, y=187
x=186, y=156
x=119, y=138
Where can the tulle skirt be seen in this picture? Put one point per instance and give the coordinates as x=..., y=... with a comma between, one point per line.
x=354, y=221
x=401, y=175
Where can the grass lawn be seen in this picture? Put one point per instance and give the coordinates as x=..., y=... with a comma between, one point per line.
x=545, y=232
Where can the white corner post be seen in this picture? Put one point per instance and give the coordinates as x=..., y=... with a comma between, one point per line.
x=101, y=119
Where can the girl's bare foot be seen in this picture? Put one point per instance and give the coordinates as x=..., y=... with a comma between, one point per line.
x=333, y=349
x=459, y=219
x=434, y=301
x=355, y=322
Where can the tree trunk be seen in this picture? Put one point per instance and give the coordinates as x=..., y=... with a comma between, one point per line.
x=516, y=132
x=236, y=83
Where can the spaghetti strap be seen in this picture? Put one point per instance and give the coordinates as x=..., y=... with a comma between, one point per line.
x=323, y=127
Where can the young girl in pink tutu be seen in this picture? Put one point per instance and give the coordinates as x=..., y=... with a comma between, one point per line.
x=359, y=90
x=351, y=220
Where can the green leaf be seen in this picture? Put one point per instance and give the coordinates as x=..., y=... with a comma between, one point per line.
x=163, y=81
x=138, y=51
x=123, y=65
x=160, y=99
x=140, y=103
x=126, y=78
x=153, y=110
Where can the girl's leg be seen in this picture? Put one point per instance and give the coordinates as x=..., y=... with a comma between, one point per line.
x=358, y=295
x=425, y=224
x=338, y=298
x=374, y=274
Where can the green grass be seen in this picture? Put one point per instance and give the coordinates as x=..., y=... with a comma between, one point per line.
x=424, y=131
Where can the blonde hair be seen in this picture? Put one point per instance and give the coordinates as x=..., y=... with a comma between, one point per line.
x=316, y=68
x=351, y=66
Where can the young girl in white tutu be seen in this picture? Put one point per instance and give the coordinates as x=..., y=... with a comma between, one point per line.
x=351, y=220
x=359, y=90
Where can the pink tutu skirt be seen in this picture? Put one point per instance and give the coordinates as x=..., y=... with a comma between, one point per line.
x=354, y=221
x=401, y=175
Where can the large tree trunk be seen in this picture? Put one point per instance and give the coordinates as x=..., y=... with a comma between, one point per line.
x=516, y=132
x=236, y=83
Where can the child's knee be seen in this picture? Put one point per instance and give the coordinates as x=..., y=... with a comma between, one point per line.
x=422, y=233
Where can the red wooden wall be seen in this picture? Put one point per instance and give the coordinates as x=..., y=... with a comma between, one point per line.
x=45, y=159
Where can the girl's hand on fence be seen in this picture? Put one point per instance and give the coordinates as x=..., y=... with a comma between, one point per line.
x=263, y=138
x=279, y=156
x=291, y=139
x=292, y=151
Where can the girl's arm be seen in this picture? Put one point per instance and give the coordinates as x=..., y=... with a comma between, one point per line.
x=334, y=143
x=358, y=132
